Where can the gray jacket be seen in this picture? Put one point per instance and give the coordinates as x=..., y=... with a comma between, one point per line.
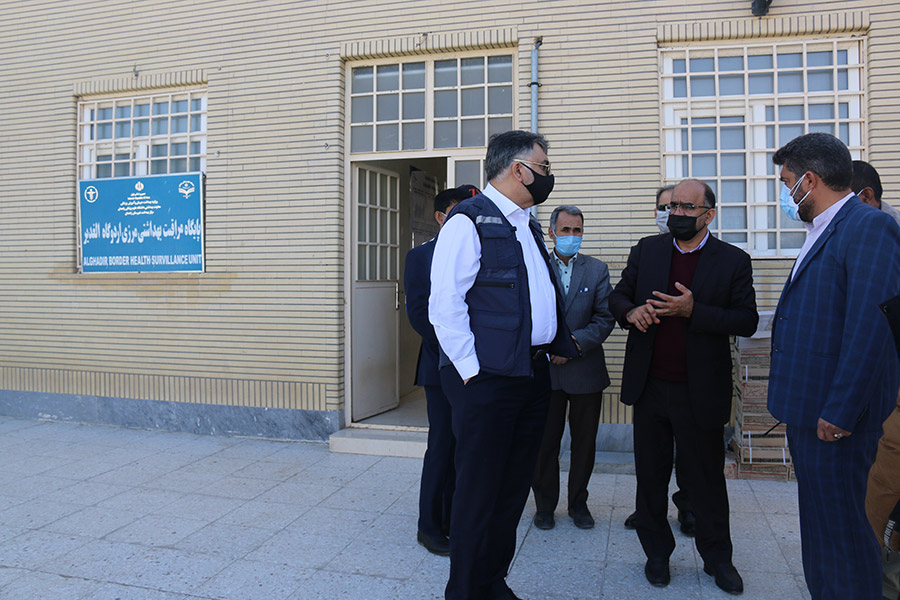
x=589, y=319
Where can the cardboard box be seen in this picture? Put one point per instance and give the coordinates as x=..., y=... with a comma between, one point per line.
x=754, y=448
x=768, y=472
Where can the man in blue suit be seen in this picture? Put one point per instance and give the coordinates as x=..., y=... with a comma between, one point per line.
x=834, y=372
x=578, y=383
x=436, y=491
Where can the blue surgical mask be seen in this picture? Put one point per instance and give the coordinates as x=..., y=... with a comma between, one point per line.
x=568, y=245
x=791, y=208
x=662, y=218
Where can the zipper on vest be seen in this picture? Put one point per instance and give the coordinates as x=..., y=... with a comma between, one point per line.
x=502, y=284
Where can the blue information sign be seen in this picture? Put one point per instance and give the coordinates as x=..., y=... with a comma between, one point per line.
x=149, y=223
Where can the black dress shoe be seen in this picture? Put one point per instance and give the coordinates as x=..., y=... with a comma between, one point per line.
x=727, y=577
x=688, y=522
x=631, y=521
x=544, y=520
x=435, y=545
x=582, y=517
x=657, y=571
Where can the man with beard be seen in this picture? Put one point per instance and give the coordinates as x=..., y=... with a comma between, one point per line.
x=834, y=372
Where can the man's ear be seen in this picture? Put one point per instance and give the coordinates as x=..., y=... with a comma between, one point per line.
x=439, y=217
x=868, y=196
x=550, y=233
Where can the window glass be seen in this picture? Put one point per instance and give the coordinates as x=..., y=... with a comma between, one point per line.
x=118, y=129
x=460, y=101
x=727, y=108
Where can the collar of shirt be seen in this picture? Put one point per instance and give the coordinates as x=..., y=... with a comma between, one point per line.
x=702, y=243
x=562, y=263
x=510, y=209
x=820, y=222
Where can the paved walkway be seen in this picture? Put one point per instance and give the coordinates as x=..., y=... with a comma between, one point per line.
x=100, y=513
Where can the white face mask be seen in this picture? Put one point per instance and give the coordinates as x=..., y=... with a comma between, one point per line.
x=662, y=216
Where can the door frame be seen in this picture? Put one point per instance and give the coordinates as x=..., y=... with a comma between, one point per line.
x=372, y=159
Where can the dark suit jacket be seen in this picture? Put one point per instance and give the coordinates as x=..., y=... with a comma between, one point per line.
x=832, y=352
x=589, y=319
x=417, y=284
x=724, y=305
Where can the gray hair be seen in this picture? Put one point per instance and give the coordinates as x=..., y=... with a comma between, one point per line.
x=569, y=210
x=504, y=148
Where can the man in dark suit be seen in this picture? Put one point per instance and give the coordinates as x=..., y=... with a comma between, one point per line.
x=436, y=490
x=834, y=372
x=681, y=296
x=577, y=383
x=686, y=521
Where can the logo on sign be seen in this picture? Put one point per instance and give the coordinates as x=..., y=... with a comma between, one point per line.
x=91, y=194
x=139, y=186
x=186, y=188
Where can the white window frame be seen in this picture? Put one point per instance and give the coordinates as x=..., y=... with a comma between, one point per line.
x=429, y=119
x=136, y=151
x=762, y=133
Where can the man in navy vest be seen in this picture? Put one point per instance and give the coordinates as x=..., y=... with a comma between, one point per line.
x=438, y=476
x=497, y=313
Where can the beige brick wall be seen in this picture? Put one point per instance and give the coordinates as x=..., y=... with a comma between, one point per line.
x=268, y=314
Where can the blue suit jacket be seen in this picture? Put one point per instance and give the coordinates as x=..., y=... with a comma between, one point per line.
x=832, y=352
x=417, y=284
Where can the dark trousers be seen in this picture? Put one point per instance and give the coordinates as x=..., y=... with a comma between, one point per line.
x=841, y=556
x=498, y=423
x=664, y=413
x=584, y=418
x=438, y=475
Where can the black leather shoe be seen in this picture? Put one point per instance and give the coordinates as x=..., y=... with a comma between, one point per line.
x=435, y=545
x=657, y=571
x=544, y=520
x=688, y=522
x=727, y=577
x=631, y=521
x=582, y=517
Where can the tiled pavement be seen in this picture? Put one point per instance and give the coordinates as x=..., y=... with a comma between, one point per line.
x=101, y=513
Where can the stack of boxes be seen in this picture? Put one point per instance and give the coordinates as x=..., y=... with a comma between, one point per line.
x=759, y=442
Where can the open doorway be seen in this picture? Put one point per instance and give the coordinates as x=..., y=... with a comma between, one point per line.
x=390, y=211
x=392, y=206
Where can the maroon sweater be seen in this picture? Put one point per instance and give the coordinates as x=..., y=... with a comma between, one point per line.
x=669, y=360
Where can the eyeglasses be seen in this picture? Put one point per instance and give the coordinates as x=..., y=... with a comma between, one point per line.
x=545, y=166
x=684, y=206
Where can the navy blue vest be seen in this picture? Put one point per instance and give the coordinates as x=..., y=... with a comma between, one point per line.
x=499, y=301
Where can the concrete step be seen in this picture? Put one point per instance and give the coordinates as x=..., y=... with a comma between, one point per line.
x=412, y=444
x=379, y=442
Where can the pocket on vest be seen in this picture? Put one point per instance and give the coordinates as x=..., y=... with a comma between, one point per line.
x=498, y=248
x=496, y=340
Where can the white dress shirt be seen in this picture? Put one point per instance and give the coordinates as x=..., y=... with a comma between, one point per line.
x=814, y=230
x=457, y=259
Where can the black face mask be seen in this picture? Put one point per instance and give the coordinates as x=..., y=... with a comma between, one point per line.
x=683, y=227
x=541, y=187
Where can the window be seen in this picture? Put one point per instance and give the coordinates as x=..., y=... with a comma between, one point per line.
x=726, y=109
x=378, y=226
x=142, y=135
x=423, y=105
